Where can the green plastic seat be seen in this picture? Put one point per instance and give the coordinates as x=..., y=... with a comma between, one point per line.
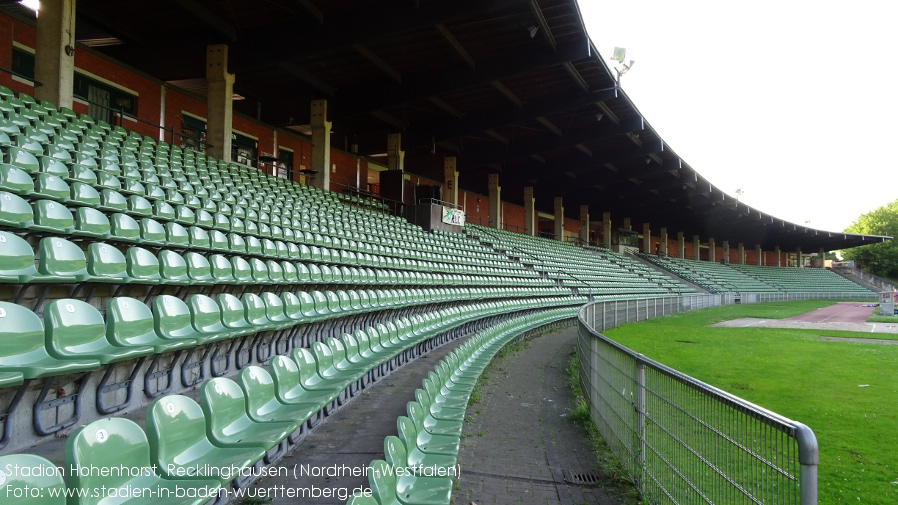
x=15, y=212
x=75, y=329
x=139, y=206
x=172, y=320
x=124, y=228
x=17, y=260
x=222, y=270
x=233, y=315
x=61, y=261
x=15, y=180
x=52, y=217
x=198, y=238
x=90, y=222
x=309, y=378
x=219, y=241
x=424, y=441
x=390, y=486
x=199, y=270
x=119, y=442
x=22, y=346
x=404, y=453
x=152, y=232
x=142, y=266
x=112, y=201
x=176, y=430
x=40, y=482
x=173, y=268
x=206, y=318
x=84, y=195
x=176, y=235
x=242, y=271
x=129, y=323
x=22, y=159
x=262, y=404
x=51, y=187
x=228, y=423
x=424, y=421
x=255, y=312
x=289, y=389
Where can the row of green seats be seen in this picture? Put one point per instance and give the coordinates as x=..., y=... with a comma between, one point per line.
x=421, y=462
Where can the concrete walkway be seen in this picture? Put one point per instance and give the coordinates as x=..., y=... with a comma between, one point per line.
x=521, y=445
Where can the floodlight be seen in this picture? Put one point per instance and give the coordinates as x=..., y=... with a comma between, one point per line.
x=34, y=5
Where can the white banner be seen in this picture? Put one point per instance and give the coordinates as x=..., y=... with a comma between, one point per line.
x=453, y=216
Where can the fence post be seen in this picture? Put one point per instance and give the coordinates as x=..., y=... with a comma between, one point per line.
x=640, y=419
x=808, y=458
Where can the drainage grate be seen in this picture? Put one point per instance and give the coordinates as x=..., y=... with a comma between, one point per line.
x=580, y=479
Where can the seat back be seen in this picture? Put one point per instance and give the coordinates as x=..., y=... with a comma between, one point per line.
x=324, y=358
x=111, y=442
x=205, y=315
x=31, y=487
x=395, y=452
x=61, y=258
x=254, y=310
x=142, y=265
x=285, y=373
x=175, y=423
x=129, y=322
x=15, y=211
x=233, y=314
x=74, y=328
x=223, y=402
x=105, y=260
x=173, y=268
x=382, y=480
x=171, y=318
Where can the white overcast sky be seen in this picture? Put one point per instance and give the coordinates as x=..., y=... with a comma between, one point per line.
x=793, y=101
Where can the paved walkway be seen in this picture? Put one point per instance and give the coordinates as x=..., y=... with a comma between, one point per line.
x=521, y=445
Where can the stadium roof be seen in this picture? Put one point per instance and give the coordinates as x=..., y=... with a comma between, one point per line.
x=509, y=86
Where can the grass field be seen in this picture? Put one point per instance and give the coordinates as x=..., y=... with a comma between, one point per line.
x=846, y=392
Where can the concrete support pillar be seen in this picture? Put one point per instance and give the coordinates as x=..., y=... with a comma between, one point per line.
x=681, y=245
x=54, y=52
x=726, y=251
x=798, y=260
x=741, y=249
x=822, y=255
x=584, y=224
x=697, y=245
x=321, y=145
x=759, y=255
x=395, y=154
x=450, y=177
x=779, y=257
x=628, y=224
x=495, y=202
x=663, y=237
x=559, y=218
x=529, y=211
x=219, y=102
x=606, y=230
x=712, y=250
x=647, y=238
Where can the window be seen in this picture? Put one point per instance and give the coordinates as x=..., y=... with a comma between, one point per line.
x=103, y=100
x=285, y=164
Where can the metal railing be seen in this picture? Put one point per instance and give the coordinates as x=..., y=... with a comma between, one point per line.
x=681, y=440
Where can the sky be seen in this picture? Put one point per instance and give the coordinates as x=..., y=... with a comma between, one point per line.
x=794, y=102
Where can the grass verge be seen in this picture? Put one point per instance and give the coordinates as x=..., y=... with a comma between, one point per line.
x=615, y=478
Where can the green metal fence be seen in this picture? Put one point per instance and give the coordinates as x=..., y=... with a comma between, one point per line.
x=680, y=440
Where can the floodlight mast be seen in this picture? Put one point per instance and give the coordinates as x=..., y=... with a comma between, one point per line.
x=619, y=54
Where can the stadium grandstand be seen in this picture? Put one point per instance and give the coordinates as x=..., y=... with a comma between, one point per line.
x=222, y=222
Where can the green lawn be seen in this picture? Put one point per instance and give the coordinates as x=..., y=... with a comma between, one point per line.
x=794, y=374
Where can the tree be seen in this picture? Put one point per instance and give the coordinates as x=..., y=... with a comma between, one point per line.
x=882, y=258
